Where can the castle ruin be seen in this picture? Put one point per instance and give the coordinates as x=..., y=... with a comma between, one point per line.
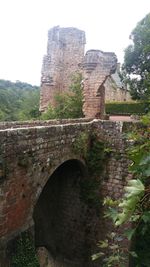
x=65, y=56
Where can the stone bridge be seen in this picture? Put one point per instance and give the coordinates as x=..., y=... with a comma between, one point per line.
x=45, y=186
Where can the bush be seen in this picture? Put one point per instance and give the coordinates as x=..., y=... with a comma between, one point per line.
x=24, y=254
x=127, y=108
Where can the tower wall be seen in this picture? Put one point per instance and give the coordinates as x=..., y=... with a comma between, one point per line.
x=65, y=52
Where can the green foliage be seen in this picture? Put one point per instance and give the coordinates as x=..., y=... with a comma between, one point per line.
x=135, y=205
x=50, y=114
x=137, y=60
x=81, y=145
x=139, y=153
x=115, y=255
x=130, y=204
x=112, y=211
x=127, y=108
x=140, y=167
x=146, y=119
x=134, y=208
x=67, y=105
x=91, y=150
x=25, y=255
x=95, y=153
x=18, y=101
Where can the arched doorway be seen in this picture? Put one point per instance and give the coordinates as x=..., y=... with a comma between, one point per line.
x=60, y=217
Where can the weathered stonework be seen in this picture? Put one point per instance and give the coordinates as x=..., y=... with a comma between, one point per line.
x=97, y=67
x=65, y=50
x=42, y=167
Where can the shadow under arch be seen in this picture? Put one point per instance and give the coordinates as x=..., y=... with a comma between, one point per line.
x=60, y=215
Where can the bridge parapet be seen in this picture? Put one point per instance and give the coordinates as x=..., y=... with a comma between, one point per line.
x=28, y=124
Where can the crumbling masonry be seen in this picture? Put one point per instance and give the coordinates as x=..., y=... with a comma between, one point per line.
x=97, y=67
x=65, y=56
x=65, y=50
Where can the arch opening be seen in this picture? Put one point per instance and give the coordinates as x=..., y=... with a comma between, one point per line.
x=60, y=218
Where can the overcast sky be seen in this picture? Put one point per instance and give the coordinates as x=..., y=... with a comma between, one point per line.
x=24, y=25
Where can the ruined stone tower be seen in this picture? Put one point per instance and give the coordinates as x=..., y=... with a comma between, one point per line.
x=65, y=50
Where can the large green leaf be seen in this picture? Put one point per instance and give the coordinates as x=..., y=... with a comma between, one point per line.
x=134, y=188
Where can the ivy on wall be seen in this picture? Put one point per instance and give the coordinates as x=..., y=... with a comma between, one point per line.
x=95, y=154
x=94, y=151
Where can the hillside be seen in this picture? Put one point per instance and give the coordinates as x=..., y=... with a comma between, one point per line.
x=18, y=101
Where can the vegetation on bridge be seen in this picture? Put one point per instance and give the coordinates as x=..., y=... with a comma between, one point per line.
x=24, y=252
x=95, y=154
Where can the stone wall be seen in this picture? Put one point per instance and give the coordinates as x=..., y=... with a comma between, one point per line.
x=65, y=50
x=115, y=89
x=31, y=165
x=97, y=67
x=115, y=93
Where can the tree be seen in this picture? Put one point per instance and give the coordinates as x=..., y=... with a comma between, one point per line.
x=18, y=101
x=137, y=60
x=68, y=105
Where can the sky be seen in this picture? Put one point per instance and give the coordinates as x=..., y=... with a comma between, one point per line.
x=24, y=26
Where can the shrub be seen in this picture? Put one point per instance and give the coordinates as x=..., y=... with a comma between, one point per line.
x=127, y=108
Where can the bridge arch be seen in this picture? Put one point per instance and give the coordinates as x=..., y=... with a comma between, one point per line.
x=60, y=216
x=45, y=171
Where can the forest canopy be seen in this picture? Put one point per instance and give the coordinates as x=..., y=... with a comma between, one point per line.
x=18, y=101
